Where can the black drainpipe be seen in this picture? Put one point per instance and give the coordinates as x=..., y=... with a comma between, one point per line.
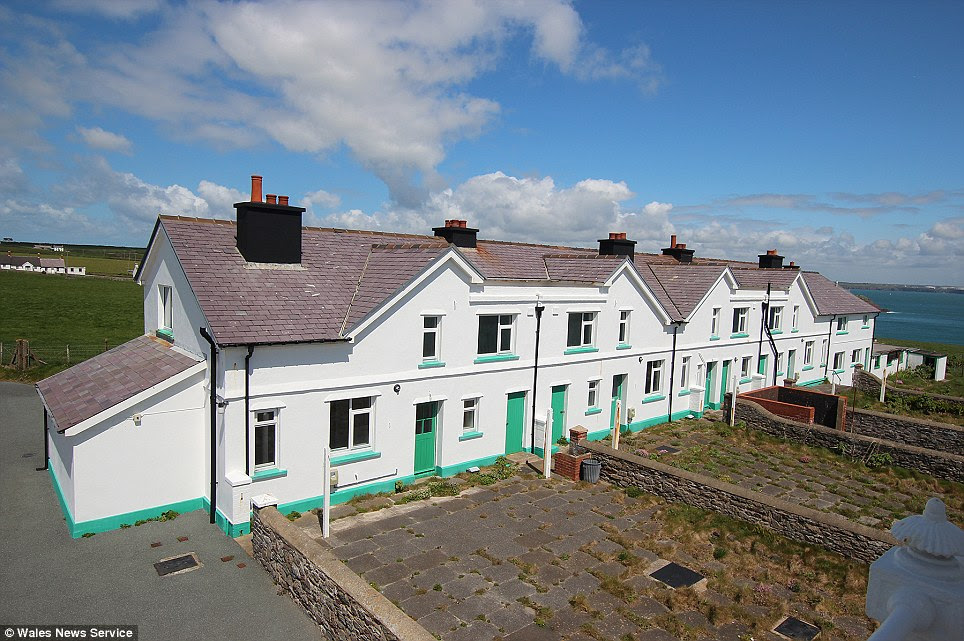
x=773, y=343
x=535, y=376
x=247, y=411
x=672, y=374
x=214, y=422
x=46, y=444
x=764, y=307
x=826, y=366
x=873, y=339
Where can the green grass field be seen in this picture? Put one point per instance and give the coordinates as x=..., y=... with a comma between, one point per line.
x=54, y=311
x=100, y=260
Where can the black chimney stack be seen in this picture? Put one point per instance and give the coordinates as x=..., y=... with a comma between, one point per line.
x=617, y=245
x=457, y=233
x=269, y=232
x=678, y=251
x=771, y=260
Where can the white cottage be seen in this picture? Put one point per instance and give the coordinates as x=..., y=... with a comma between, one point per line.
x=267, y=342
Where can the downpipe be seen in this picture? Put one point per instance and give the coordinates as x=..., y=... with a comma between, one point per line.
x=247, y=410
x=214, y=422
x=535, y=375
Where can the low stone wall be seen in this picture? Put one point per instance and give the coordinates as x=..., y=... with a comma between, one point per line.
x=869, y=383
x=928, y=461
x=796, y=522
x=909, y=431
x=337, y=599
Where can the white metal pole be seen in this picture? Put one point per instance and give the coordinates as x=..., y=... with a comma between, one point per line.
x=547, y=450
x=326, y=517
x=736, y=391
x=615, y=439
x=883, y=385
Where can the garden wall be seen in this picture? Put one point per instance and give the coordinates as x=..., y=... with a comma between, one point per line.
x=796, y=522
x=909, y=431
x=867, y=382
x=337, y=599
x=798, y=404
x=928, y=461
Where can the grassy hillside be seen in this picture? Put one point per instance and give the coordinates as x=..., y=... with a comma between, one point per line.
x=953, y=385
x=54, y=311
x=101, y=260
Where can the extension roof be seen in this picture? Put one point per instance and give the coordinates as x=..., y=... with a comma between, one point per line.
x=100, y=383
x=345, y=275
x=833, y=299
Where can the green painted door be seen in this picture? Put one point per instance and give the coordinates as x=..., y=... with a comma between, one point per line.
x=724, y=378
x=558, y=412
x=791, y=363
x=708, y=389
x=761, y=367
x=426, y=415
x=515, y=417
x=618, y=382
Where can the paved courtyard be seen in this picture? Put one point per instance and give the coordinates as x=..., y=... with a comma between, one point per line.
x=530, y=560
x=48, y=578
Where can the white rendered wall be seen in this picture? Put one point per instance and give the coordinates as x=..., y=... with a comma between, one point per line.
x=163, y=268
x=120, y=467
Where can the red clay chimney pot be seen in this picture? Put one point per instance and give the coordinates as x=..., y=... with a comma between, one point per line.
x=672, y=240
x=283, y=200
x=271, y=199
x=771, y=252
x=255, y=189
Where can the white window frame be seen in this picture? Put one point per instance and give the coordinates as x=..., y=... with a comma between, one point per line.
x=746, y=367
x=699, y=375
x=501, y=325
x=275, y=421
x=352, y=412
x=841, y=323
x=855, y=356
x=654, y=377
x=470, y=407
x=866, y=320
x=779, y=364
x=624, y=316
x=165, y=313
x=587, y=321
x=740, y=316
x=592, y=398
x=684, y=373
x=824, y=352
x=715, y=322
x=838, y=360
x=436, y=333
x=808, y=353
x=776, y=318
x=796, y=317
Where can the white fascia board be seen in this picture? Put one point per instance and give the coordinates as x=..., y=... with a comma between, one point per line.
x=808, y=296
x=629, y=268
x=137, y=398
x=148, y=254
x=725, y=276
x=529, y=298
x=450, y=255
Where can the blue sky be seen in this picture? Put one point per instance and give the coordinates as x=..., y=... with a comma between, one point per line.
x=830, y=131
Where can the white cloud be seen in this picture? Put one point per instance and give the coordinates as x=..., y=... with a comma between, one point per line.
x=321, y=198
x=118, y=9
x=98, y=138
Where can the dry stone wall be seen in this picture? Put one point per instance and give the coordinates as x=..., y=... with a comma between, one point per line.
x=910, y=431
x=796, y=522
x=869, y=383
x=928, y=461
x=337, y=599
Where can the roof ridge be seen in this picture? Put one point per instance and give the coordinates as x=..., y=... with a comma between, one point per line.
x=409, y=245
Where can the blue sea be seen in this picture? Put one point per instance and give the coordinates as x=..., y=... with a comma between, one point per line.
x=934, y=317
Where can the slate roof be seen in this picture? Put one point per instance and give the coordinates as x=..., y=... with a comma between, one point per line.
x=16, y=261
x=101, y=382
x=833, y=299
x=54, y=263
x=344, y=275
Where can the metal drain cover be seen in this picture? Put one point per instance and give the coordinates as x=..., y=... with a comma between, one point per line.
x=177, y=564
x=27, y=455
x=676, y=576
x=794, y=628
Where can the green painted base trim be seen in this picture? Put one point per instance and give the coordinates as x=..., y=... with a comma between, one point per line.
x=684, y=392
x=130, y=518
x=654, y=398
x=842, y=332
x=659, y=420
x=495, y=358
x=166, y=334
x=740, y=335
x=354, y=458
x=714, y=338
x=233, y=530
x=624, y=346
x=430, y=364
x=746, y=380
x=816, y=381
x=452, y=470
x=598, y=435
x=593, y=410
x=807, y=368
x=776, y=331
x=581, y=350
x=268, y=474
x=468, y=436
x=714, y=406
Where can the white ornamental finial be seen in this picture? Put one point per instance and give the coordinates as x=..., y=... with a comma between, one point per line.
x=931, y=532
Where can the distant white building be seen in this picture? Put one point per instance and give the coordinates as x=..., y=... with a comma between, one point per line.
x=267, y=342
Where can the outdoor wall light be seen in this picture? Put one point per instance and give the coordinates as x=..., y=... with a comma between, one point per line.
x=397, y=388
